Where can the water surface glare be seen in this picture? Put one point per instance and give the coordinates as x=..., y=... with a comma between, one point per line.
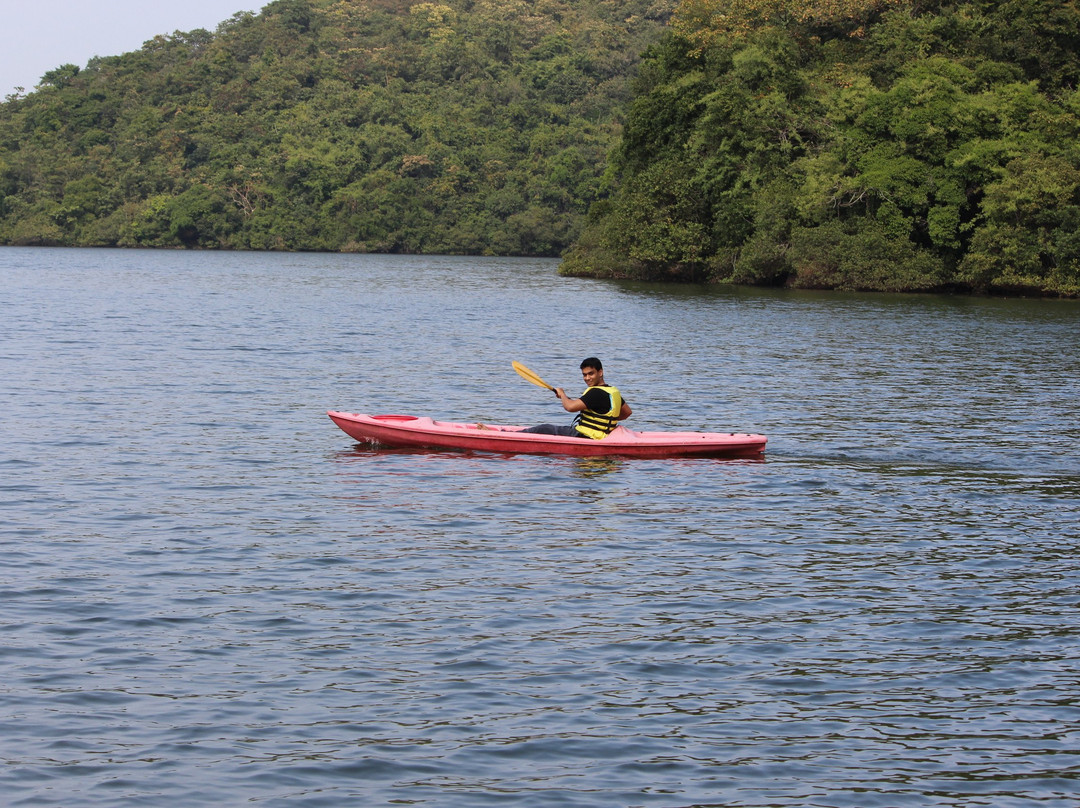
x=212, y=596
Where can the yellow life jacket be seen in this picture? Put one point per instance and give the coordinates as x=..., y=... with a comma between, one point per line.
x=597, y=425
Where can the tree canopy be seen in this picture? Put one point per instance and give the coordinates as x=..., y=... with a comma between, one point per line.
x=462, y=126
x=850, y=144
x=854, y=145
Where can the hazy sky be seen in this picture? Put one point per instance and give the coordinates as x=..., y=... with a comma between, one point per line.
x=39, y=35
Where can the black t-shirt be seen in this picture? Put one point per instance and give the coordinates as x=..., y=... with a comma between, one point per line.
x=597, y=400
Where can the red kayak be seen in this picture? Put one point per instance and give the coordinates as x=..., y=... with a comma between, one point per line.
x=426, y=433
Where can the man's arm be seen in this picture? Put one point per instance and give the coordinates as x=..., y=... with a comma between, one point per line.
x=577, y=404
x=569, y=404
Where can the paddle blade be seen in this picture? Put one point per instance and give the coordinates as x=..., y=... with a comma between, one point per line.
x=529, y=376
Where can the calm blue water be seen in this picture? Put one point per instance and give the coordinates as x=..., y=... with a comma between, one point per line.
x=212, y=596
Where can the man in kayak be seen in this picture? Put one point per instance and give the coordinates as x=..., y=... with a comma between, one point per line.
x=599, y=409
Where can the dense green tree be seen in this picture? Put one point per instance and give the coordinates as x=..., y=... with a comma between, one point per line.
x=855, y=145
x=460, y=126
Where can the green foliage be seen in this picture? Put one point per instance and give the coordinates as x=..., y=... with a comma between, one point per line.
x=855, y=144
x=1029, y=239
x=860, y=254
x=935, y=149
x=460, y=126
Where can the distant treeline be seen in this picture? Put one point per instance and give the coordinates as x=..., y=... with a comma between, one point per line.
x=465, y=126
x=850, y=144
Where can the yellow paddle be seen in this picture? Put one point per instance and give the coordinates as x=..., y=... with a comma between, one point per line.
x=531, y=377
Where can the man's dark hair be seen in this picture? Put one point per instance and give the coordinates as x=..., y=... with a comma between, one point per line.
x=591, y=362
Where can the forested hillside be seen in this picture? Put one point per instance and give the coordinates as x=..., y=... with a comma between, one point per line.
x=463, y=126
x=853, y=144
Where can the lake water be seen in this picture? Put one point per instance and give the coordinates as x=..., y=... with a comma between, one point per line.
x=212, y=596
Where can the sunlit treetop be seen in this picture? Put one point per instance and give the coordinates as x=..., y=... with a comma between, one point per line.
x=703, y=22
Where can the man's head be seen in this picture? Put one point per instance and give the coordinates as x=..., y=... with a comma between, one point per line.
x=592, y=371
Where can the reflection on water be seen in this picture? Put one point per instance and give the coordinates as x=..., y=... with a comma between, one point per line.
x=212, y=595
x=586, y=467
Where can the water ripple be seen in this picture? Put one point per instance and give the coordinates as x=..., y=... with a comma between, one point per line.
x=212, y=596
